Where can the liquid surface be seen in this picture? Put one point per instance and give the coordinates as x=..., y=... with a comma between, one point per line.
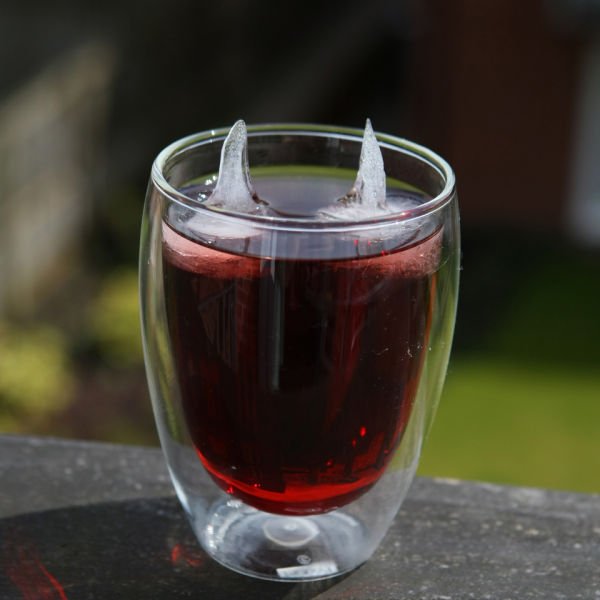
x=302, y=196
x=297, y=376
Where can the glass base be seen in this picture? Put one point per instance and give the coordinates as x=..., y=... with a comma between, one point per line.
x=282, y=548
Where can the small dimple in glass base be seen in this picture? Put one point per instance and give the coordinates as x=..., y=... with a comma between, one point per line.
x=270, y=546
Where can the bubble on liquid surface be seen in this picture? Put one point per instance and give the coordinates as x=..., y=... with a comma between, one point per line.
x=234, y=190
x=367, y=197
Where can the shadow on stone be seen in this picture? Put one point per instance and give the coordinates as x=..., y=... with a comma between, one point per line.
x=133, y=549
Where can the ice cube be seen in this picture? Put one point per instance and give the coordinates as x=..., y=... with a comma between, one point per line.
x=367, y=197
x=213, y=229
x=233, y=193
x=234, y=190
x=369, y=187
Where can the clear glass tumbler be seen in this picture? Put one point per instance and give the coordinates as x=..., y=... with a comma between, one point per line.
x=295, y=363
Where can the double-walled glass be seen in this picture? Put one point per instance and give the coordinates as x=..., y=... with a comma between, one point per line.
x=295, y=363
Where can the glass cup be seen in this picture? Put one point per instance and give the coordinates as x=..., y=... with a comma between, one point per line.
x=295, y=363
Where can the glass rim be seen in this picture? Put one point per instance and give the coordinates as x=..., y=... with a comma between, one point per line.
x=391, y=142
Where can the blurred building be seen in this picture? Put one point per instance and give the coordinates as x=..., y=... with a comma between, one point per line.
x=582, y=19
x=52, y=129
x=509, y=91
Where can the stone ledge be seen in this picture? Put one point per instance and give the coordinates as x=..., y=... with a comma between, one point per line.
x=103, y=521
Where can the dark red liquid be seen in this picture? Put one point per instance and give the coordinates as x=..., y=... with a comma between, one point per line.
x=297, y=377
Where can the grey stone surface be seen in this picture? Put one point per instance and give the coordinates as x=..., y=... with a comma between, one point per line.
x=46, y=473
x=82, y=520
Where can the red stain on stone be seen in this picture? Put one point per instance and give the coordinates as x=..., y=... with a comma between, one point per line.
x=27, y=572
x=179, y=553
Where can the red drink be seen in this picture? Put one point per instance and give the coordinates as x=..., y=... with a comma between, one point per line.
x=297, y=376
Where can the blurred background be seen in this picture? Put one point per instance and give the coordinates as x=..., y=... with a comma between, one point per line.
x=507, y=90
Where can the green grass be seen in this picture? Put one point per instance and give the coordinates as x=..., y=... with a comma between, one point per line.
x=517, y=424
x=522, y=405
